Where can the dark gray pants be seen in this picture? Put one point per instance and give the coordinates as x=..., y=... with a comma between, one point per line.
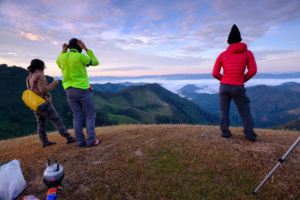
x=49, y=113
x=82, y=99
x=238, y=94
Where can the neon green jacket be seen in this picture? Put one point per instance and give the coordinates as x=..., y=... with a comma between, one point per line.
x=73, y=67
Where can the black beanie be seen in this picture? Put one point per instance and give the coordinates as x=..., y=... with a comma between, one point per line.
x=234, y=35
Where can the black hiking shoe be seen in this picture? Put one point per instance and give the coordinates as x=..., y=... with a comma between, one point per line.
x=226, y=135
x=71, y=140
x=48, y=144
x=251, y=140
x=82, y=145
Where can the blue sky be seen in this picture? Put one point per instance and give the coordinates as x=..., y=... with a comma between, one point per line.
x=142, y=37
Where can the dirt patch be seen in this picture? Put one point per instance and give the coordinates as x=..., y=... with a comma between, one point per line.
x=138, y=153
x=83, y=189
x=294, y=112
x=98, y=162
x=258, y=146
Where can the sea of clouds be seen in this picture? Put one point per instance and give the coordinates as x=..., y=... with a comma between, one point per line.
x=210, y=86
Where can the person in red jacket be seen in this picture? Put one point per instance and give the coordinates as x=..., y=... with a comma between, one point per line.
x=234, y=61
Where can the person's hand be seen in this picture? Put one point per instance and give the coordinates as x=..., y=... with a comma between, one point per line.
x=56, y=82
x=65, y=47
x=82, y=45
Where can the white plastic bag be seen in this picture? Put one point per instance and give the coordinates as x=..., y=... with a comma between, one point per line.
x=12, y=182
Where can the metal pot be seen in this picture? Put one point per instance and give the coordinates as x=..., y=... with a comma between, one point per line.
x=53, y=172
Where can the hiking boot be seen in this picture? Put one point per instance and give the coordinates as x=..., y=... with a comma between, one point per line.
x=97, y=142
x=226, y=135
x=251, y=140
x=71, y=140
x=82, y=145
x=46, y=144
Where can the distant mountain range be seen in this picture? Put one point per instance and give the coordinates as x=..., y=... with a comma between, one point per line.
x=114, y=87
x=151, y=103
x=292, y=125
x=294, y=86
x=270, y=105
x=108, y=87
x=190, y=77
x=146, y=104
x=132, y=84
x=191, y=88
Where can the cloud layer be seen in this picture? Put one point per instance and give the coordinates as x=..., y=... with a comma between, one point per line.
x=155, y=37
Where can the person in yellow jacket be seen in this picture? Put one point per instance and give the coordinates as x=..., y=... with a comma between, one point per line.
x=73, y=65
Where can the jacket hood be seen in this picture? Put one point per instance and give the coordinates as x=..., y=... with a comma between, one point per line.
x=237, y=48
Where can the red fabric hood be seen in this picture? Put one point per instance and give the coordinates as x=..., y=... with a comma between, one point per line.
x=237, y=48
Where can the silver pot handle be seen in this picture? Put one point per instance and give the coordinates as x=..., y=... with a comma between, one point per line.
x=55, y=162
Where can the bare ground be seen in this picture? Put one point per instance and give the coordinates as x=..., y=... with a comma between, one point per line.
x=162, y=162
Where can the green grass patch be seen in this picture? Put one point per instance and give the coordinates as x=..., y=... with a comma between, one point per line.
x=121, y=119
x=120, y=101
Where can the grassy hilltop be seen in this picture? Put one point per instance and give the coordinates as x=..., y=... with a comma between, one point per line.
x=162, y=162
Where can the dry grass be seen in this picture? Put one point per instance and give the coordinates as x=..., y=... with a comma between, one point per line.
x=162, y=162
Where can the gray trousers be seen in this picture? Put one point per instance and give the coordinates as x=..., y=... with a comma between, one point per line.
x=82, y=99
x=49, y=113
x=238, y=94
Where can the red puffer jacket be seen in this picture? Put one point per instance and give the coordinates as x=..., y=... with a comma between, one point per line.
x=234, y=61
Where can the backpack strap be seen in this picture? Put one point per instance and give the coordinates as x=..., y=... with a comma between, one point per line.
x=28, y=85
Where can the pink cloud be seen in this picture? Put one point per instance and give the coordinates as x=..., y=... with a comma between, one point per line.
x=31, y=36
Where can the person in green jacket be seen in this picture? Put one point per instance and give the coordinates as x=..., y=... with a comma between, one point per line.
x=73, y=65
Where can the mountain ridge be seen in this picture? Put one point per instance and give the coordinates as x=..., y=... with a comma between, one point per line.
x=147, y=104
x=292, y=75
x=269, y=105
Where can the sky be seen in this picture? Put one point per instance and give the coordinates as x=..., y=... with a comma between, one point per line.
x=143, y=37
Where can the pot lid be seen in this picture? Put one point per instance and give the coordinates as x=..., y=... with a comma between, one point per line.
x=54, y=167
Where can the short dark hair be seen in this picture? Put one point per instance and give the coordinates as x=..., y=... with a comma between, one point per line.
x=73, y=43
x=36, y=64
